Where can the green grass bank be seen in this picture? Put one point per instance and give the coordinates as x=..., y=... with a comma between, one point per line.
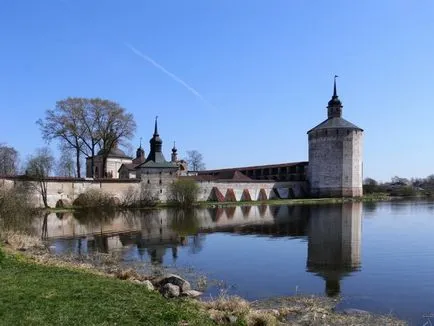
x=34, y=294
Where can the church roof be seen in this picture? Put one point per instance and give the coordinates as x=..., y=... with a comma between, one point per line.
x=115, y=152
x=129, y=166
x=153, y=164
x=335, y=123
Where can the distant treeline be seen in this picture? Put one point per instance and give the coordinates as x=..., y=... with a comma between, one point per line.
x=401, y=186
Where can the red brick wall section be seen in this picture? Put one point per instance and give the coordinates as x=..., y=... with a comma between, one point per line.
x=230, y=195
x=262, y=195
x=246, y=195
x=216, y=195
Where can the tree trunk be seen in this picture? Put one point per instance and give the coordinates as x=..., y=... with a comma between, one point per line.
x=92, y=162
x=43, y=186
x=78, y=162
x=104, y=165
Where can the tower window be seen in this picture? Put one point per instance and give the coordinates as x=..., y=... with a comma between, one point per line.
x=149, y=181
x=161, y=182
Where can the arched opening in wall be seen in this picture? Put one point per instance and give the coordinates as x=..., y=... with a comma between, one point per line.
x=262, y=195
x=230, y=195
x=216, y=195
x=246, y=195
x=149, y=181
x=230, y=212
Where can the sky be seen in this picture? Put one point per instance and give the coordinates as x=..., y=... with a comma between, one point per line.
x=239, y=81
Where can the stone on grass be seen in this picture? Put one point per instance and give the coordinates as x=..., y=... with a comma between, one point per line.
x=170, y=290
x=148, y=285
x=231, y=319
x=175, y=280
x=192, y=293
x=353, y=311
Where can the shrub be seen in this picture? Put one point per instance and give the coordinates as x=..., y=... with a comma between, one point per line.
x=95, y=198
x=16, y=211
x=183, y=192
x=143, y=197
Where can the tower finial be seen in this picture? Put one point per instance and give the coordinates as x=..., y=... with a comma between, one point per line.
x=140, y=142
x=334, y=87
x=156, y=127
x=334, y=107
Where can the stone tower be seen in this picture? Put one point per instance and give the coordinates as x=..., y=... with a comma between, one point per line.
x=335, y=155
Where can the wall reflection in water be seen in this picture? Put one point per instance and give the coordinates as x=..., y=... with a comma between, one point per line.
x=332, y=232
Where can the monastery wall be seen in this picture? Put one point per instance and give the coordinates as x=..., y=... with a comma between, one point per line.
x=157, y=185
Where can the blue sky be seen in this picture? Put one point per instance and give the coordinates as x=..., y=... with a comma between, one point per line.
x=257, y=74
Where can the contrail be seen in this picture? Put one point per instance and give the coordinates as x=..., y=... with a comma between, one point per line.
x=168, y=73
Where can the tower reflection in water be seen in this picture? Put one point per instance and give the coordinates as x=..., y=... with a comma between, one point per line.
x=333, y=233
x=334, y=240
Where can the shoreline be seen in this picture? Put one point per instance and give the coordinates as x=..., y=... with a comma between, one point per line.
x=270, y=202
x=292, y=310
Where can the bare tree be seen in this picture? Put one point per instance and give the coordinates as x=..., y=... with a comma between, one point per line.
x=38, y=168
x=114, y=126
x=66, y=166
x=8, y=160
x=65, y=123
x=86, y=125
x=195, y=160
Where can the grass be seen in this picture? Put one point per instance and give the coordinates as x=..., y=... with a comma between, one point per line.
x=38, y=291
x=34, y=294
x=297, y=201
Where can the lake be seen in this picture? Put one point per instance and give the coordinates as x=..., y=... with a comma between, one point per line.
x=378, y=256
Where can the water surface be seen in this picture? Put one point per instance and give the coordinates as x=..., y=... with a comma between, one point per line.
x=378, y=256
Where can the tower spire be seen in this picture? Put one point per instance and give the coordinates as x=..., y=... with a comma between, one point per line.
x=155, y=153
x=334, y=107
x=334, y=88
x=156, y=126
